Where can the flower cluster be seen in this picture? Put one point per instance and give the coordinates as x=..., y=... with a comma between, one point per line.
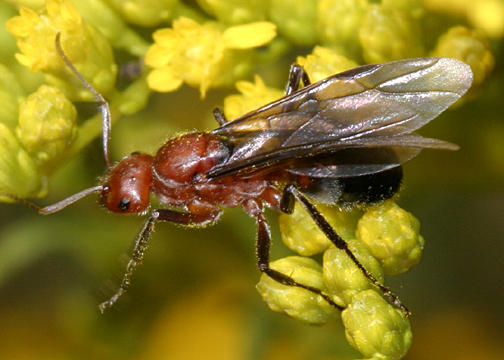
x=385, y=240
x=214, y=44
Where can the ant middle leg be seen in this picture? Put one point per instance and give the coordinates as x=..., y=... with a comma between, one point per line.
x=141, y=243
x=263, y=248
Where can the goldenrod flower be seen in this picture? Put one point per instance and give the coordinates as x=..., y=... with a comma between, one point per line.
x=18, y=171
x=389, y=33
x=339, y=22
x=375, y=328
x=253, y=95
x=392, y=236
x=324, y=62
x=10, y=96
x=86, y=48
x=145, y=12
x=203, y=56
x=47, y=124
x=303, y=236
x=296, y=302
x=236, y=11
x=296, y=20
x=486, y=15
x=343, y=278
x=470, y=46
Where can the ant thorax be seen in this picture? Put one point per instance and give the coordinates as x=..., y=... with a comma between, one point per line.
x=180, y=176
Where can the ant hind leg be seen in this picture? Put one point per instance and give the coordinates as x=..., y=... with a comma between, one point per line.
x=331, y=234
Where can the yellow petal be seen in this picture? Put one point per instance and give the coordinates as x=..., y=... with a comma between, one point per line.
x=164, y=79
x=249, y=35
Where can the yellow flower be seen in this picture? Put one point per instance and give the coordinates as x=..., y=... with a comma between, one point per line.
x=145, y=12
x=470, y=46
x=388, y=33
x=342, y=277
x=376, y=328
x=296, y=302
x=47, y=124
x=203, y=55
x=18, y=171
x=253, y=95
x=236, y=11
x=392, y=236
x=86, y=48
x=324, y=62
x=302, y=235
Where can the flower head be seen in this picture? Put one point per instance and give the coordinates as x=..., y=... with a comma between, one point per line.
x=86, y=48
x=203, y=56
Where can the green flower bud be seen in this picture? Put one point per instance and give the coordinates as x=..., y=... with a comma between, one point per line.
x=18, y=171
x=375, y=328
x=294, y=301
x=392, y=236
x=413, y=7
x=10, y=96
x=145, y=12
x=296, y=20
x=235, y=11
x=388, y=33
x=342, y=277
x=302, y=235
x=339, y=22
x=470, y=46
x=47, y=124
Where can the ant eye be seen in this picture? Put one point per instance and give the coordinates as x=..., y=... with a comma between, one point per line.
x=124, y=204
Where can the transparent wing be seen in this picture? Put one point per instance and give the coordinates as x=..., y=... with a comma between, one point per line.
x=362, y=107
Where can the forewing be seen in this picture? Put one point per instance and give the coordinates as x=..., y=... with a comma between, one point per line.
x=373, y=101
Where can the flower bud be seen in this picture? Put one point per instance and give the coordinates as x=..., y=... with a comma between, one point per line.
x=470, y=46
x=392, y=236
x=388, y=33
x=294, y=301
x=375, y=328
x=342, y=277
x=302, y=235
x=47, y=124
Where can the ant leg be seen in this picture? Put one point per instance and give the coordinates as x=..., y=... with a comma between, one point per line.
x=341, y=244
x=263, y=247
x=103, y=104
x=141, y=243
x=219, y=116
x=296, y=74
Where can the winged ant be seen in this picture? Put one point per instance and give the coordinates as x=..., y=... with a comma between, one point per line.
x=340, y=140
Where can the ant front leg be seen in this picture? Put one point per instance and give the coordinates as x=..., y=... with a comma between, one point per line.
x=341, y=244
x=296, y=74
x=263, y=248
x=142, y=241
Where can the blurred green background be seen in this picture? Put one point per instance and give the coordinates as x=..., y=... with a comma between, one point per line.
x=194, y=297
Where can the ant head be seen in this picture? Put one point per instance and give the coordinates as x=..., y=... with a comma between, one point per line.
x=127, y=185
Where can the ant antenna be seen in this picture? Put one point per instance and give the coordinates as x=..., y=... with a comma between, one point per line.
x=104, y=106
x=51, y=209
